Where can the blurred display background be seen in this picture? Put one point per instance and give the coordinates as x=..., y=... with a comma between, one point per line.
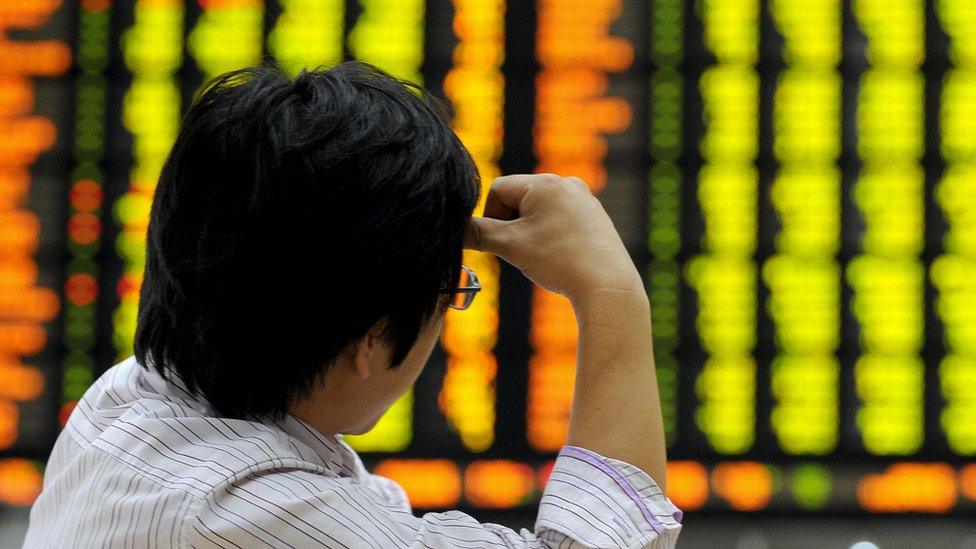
x=795, y=178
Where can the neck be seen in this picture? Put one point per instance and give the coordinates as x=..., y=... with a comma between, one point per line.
x=313, y=411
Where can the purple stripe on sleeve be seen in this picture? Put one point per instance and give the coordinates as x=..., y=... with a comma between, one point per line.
x=594, y=460
x=678, y=514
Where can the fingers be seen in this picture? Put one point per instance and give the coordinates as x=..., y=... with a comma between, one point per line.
x=497, y=232
x=472, y=235
x=506, y=195
x=579, y=183
x=485, y=234
x=496, y=209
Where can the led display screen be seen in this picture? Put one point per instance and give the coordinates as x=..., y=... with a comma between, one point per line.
x=795, y=179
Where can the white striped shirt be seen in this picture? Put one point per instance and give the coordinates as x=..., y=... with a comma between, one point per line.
x=143, y=463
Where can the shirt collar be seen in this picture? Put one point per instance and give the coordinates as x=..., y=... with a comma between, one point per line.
x=331, y=449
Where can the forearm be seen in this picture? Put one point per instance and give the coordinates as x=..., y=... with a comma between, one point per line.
x=616, y=408
x=559, y=235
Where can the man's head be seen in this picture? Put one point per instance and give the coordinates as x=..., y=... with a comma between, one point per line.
x=297, y=223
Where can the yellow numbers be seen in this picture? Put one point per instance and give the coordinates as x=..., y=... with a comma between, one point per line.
x=724, y=275
x=952, y=272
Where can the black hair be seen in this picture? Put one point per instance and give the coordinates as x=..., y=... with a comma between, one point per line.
x=291, y=216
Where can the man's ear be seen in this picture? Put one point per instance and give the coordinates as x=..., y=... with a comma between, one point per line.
x=365, y=348
x=361, y=358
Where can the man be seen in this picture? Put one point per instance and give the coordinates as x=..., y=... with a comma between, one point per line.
x=305, y=241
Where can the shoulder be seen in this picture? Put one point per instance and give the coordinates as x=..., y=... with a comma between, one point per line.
x=200, y=453
x=299, y=508
x=162, y=431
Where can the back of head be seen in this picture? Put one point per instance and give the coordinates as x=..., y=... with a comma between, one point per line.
x=290, y=217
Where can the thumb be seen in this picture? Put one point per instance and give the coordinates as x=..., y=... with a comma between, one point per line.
x=486, y=234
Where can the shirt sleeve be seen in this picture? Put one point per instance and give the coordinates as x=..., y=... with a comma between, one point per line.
x=590, y=501
x=596, y=501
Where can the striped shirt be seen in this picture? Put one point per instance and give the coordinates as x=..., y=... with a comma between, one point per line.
x=143, y=463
